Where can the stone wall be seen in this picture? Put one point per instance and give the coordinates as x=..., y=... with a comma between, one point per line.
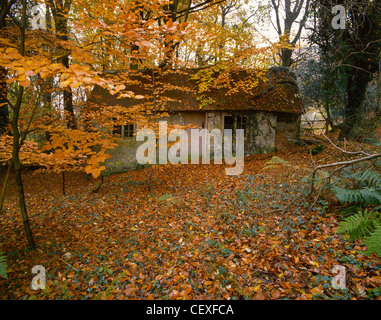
x=260, y=129
x=263, y=133
x=123, y=156
x=287, y=130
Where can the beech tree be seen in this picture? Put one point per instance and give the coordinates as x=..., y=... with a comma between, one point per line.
x=60, y=13
x=29, y=57
x=5, y=8
x=288, y=15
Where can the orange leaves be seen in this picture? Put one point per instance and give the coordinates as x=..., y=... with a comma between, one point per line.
x=207, y=248
x=316, y=291
x=12, y=54
x=144, y=43
x=74, y=150
x=181, y=295
x=77, y=75
x=94, y=170
x=20, y=68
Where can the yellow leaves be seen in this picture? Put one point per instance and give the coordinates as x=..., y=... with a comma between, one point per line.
x=208, y=283
x=96, y=173
x=174, y=294
x=59, y=155
x=313, y=263
x=120, y=87
x=256, y=288
x=169, y=272
x=12, y=53
x=25, y=82
x=74, y=149
x=186, y=291
x=64, y=84
x=21, y=67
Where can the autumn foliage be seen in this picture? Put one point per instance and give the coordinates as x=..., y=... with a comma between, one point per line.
x=196, y=235
x=168, y=231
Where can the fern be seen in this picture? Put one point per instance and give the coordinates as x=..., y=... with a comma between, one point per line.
x=374, y=178
x=361, y=196
x=364, y=224
x=373, y=242
x=359, y=225
x=368, y=193
x=3, y=266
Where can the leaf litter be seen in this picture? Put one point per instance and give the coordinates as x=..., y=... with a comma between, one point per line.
x=195, y=234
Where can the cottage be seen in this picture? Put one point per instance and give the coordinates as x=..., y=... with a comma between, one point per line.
x=267, y=107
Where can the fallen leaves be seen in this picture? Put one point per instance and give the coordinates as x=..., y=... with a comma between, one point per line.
x=197, y=235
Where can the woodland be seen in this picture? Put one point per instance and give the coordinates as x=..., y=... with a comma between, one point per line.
x=298, y=224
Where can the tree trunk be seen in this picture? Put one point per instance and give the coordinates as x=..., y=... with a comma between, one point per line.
x=20, y=189
x=6, y=178
x=286, y=57
x=68, y=102
x=60, y=12
x=356, y=88
x=17, y=144
x=17, y=166
x=4, y=113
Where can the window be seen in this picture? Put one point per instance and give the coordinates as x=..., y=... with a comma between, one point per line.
x=117, y=130
x=228, y=122
x=129, y=130
x=241, y=122
x=124, y=131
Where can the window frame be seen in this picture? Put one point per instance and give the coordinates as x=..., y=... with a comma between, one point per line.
x=123, y=130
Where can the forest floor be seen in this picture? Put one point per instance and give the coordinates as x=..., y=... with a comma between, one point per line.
x=195, y=234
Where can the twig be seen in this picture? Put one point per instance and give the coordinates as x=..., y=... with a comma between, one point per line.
x=342, y=164
x=316, y=199
x=345, y=151
x=69, y=265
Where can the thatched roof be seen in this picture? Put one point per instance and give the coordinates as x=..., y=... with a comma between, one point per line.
x=182, y=90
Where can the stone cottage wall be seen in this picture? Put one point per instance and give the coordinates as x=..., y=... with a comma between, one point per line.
x=260, y=129
x=287, y=130
x=124, y=154
x=266, y=132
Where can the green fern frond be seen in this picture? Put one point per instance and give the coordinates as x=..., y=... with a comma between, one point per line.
x=3, y=266
x=359, y=225
x=363, y=196
x=372, y=177
x=365, y=224
x=373, y=242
